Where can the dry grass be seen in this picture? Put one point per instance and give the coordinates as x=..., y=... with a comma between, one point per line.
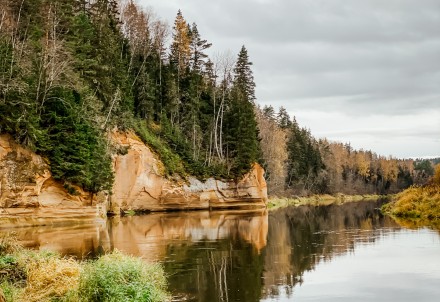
x=416, y=203
x=31, y=276
x=49, y=278
x=9, y=245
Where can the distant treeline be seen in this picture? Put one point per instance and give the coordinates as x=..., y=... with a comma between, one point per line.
x=298, y=164
x=72, y=70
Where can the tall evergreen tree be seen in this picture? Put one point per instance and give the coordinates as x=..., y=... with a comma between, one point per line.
x=283, y=118
x=243, y=76
x=181, y=45
x=304, y=158
x=242, y=132
x=198, y=46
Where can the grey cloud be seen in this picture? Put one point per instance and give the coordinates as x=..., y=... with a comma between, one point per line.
x=385, y=133
x=324, y=20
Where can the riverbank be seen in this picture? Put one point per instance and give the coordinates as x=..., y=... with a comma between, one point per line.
x=31, y=276
x=275, y=202
x=419, y=206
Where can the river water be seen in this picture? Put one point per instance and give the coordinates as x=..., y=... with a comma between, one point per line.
x=346, y=252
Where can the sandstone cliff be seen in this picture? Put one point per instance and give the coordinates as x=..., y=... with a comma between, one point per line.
x=140, y=185
x=26, y=182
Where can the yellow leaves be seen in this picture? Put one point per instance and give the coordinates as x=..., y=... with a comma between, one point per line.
x=181, y=42
x=417, y=202
x=362, y=164
x=436, y=177
x=389, y=168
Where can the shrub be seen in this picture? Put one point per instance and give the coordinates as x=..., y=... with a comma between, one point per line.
x=175, y=152
x=172, y=162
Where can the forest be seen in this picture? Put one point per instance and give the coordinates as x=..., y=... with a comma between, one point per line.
x=297, y=163
x=71, y=71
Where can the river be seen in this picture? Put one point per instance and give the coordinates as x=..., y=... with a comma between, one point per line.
x=346, y=252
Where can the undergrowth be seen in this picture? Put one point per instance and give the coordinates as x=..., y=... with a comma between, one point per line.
x=31, y=276
x=175, y=152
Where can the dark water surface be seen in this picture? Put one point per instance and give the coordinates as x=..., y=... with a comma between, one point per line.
x=346, y=252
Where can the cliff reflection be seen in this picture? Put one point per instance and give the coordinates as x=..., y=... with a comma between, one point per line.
x=150, y=236
x=82, y=240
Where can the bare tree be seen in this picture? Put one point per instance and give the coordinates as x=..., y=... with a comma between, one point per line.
x=224, y=64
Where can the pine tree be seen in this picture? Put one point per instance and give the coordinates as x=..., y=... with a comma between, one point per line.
x=243, y=76
x=269, y=112
x=242, y=132
x=283, y=118
x=198, y=46
x=181, y=45
x=304, y=158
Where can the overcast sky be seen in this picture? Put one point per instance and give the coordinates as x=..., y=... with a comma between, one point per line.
x=359, y=71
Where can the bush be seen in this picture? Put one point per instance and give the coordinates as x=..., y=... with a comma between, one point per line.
x=49, y=277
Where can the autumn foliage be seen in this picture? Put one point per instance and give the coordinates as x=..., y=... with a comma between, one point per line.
x=298, y=164
x=418, y=202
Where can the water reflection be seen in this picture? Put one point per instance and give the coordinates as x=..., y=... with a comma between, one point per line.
x=151, y=235
x=207, y=255
x=78, y=239
x=301, y=237
x=253, y=256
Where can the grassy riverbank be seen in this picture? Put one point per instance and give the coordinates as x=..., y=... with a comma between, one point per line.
x=275, y=202
x=44, y=276
x=418, y=206
x=416, y=203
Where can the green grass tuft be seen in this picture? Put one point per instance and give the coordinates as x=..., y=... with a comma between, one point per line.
x=117, y=277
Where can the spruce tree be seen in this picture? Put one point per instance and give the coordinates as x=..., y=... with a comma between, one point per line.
x=242, y=138
x=198, y=46
x=283, y=118
x=243, y=76
x=304, y=158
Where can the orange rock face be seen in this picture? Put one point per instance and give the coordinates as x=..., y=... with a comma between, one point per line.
x=26, y=182
x=140, y=184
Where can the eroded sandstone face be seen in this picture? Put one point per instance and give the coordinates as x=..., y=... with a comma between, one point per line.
x=140, y=184
x=26, y=182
